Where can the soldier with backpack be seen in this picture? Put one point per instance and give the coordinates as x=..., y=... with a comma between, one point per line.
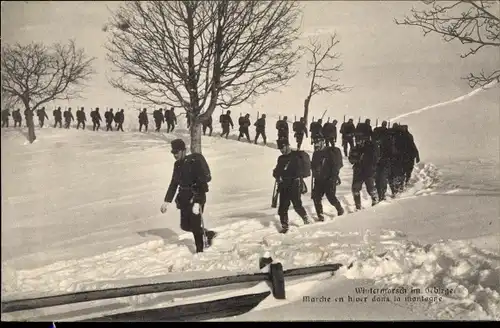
x=207, y=124
x=329, y=131
x=325, y=166
x=244, y=122
x=42, y=115
x=143, y=120
x=299, y=129
x=191, y=176
x=171, y=119
x=119, y=119
x=363, y=157
x=347, y=130
x=96, y=119
x=260, y=129
x=226, y=120
x=282, y=127
x=81, y=118
x=68, y=118
x=316, y=129
x=291, y=168
x=57, y=117
x=382, y=139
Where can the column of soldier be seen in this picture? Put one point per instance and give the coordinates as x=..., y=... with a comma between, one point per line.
x=380, y=157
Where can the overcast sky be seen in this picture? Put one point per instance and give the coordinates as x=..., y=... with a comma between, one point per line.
x=379, y=57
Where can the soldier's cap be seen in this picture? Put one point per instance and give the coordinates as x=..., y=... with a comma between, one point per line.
x=177, y=145
x=318, y=139
x=282, y=143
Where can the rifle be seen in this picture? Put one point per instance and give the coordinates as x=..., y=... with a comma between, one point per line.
x=276, y=192
x=312, y=186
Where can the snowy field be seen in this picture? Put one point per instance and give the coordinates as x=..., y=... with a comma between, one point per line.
x=80, y=211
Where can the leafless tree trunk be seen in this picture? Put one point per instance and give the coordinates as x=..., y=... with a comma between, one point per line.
x=35, y=75
x=199, y=55
x=471, y=22
x=322, y=69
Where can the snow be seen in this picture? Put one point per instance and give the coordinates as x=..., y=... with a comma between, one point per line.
x=93, y=222
x=80, y=209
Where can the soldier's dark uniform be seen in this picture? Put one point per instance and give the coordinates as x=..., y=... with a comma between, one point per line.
x=347, y=130
x=287, y=176
x=171, y=119
x=226, y=121
x=363, y=130
x=260, y=129
x=190, y=176
x=5, y=118
x=96, y=119
x=119, y=119
x=410, y=153
x=396, y=173
x=364, y=159
x=81, y=118
x=316, y=129
x=207, y=124
x=42, y=115
x=299, y=129
x=57, y=117
x=325, y=166
x=382, y=139
x=244, y=123
x=143, y=120
x=16, y=116
x=109, y=117
x=68, y=118
x=329, y=131
x=282, y=127
x=158, y=117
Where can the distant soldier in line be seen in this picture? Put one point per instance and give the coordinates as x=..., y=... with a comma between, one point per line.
x=5, y=118
x=171, y=119
x=260, y=129
x=81, y=118
x=42, y=115
x=397, y=173
x=244, y=123
x=363, y=130
x=282, y=127
x=288, y=176
x=109, y=117
x=329, y=131
x=226, y=121
x=325, y=166
x=191, y=176
x=299, y=129
x=119, y=119
x=143, y=120
x=158, y=117
x=68, y=118
x=382, y=140
x=411, y=154
x=364, y=159
x=57, y=117
x=16, y=115
x=347, y=130
x=207, y=124
x=315, y=129
x=96, y=119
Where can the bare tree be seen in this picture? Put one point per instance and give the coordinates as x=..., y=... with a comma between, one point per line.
x=36, y=74
x=198, y=55
x=322, y=69
x=476, y=23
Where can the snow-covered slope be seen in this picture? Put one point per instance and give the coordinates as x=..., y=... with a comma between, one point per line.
x=80, y=211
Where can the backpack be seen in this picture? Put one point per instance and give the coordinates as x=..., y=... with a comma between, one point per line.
x=221, y=118
x=206, y=175
x=295, y=126
x=337, y=158
x=304, y=164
